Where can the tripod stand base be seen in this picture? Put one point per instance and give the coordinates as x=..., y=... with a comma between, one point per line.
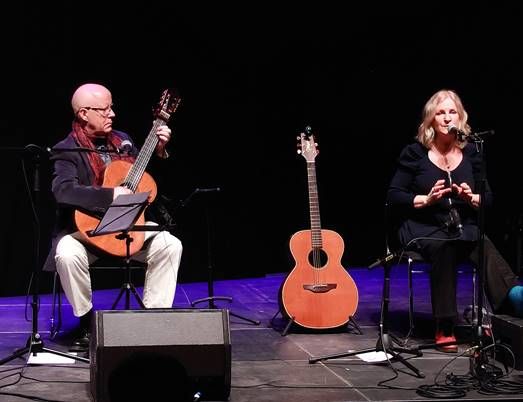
x=384, y=344
x=212, y=306
x=34, y=346
x=128, y=289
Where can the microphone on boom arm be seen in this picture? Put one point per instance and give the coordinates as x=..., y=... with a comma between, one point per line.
x=463, y=136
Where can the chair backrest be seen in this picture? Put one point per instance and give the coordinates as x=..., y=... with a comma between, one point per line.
x=393, y=221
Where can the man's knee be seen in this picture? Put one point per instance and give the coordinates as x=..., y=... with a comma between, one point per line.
x=173, y=245
x=68, y=254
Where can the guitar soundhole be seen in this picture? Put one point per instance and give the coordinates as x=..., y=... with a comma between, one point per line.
x=318, y=258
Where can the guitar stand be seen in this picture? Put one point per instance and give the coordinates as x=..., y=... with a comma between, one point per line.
x=287, y=327
x=386, y=342
x=355, y=325
x=351, y=321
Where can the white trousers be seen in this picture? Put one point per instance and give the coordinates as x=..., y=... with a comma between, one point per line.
x=162, y=254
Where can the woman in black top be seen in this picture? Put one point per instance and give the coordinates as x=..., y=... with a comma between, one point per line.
x=435, y=190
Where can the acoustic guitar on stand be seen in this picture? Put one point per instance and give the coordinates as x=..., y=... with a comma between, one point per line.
x=318, y=293
x=134, y=177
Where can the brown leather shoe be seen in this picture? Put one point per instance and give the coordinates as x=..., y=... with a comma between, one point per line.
x=441, y=338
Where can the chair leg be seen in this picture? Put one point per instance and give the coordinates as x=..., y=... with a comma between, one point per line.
x=411, y=297
x=474, y=296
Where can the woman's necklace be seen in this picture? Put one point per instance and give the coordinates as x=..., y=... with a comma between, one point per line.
x=445, y=162
x=444, y=159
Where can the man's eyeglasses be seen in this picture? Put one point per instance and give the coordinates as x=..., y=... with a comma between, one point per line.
x=104, y=111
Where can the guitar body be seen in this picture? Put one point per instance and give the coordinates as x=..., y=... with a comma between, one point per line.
x=319, y=295
x=115, y=175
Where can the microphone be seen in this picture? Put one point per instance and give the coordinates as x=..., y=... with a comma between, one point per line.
x=454, y=221
x=485, y=133
x=207, y=190
x=459, y=133
x=382, y=260
x=462, y=136
x=125, y=147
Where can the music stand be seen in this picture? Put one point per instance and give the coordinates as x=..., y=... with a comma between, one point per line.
x=210, y=279
x=35, y=344
x=120, y=217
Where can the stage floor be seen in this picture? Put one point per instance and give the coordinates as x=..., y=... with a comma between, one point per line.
x=267, y=366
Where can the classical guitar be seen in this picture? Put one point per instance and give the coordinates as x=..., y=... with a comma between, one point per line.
x=318, y=293
x=134, y=177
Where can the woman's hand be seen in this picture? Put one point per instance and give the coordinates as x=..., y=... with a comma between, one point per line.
x=465, y=193
x=437, y=191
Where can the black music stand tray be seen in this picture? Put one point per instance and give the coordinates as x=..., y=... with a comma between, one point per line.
x=120, y=217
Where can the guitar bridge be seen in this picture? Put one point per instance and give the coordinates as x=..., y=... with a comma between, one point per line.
x=320, y=287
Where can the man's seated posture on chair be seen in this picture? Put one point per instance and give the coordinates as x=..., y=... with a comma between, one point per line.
x=435, y=188
x=78, y=185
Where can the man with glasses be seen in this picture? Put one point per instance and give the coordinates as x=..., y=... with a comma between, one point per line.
x=78, y=185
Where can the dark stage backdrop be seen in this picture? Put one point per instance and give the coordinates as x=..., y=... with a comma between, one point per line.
x=251, y=77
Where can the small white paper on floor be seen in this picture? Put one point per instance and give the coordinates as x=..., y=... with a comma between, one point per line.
x=49, y=358
x=374, y=357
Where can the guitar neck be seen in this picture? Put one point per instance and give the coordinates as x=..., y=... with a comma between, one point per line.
x=144, y=156
x=314, y=205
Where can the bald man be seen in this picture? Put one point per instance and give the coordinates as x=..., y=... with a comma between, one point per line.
x=78, y=185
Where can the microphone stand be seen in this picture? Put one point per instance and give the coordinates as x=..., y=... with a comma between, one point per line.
x=210, y=280
x=478, y=358
x=386, y=341
x=35, y=344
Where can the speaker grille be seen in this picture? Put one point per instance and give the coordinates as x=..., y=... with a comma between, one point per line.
x=134, y=352
x=147, y=328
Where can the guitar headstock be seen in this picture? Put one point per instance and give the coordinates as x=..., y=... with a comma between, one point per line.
x=169, y=102
x=307, y=146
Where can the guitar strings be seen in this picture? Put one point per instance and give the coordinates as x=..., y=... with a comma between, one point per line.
x=135, y=173
x=315, y=223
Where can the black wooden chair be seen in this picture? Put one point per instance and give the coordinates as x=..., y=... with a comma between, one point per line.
x=416, y=264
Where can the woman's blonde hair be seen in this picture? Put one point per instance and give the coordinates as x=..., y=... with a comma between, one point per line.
x=426, y=132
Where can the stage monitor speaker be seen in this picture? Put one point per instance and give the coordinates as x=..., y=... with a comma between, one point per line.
x=160, y=355
x=508, y=331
